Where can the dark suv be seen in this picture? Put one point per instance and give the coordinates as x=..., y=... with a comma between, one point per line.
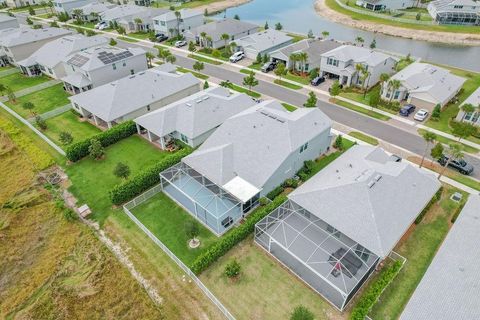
x=460, y=165
x=269, y=66
x=317, y=80
x=407, y=109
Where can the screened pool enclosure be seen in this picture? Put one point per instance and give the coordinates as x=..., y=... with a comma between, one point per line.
x=210, y=204
x=331, y=263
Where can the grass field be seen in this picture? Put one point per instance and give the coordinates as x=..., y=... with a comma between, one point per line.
x=71, y=123
x=287, y=84
x=361, y=110
x=167, y=220
x=289, y=107
x=18, y=81
x=364, y=137
x=264, y=290
x=419, y=249
x=44, y=100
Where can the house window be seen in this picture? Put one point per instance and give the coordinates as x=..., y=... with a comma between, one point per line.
x=476, y=115
x=304, y=147
x=332, y=62
x=457, y=7
x=124, y=64
x=396, y=95
x=73, y=69
x=468, y=116
x=162, y=23
x=306, y=66
x=132, y=71
x=114, y=66
x=184, y=138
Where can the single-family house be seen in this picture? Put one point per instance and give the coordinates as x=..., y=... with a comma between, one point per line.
x=335, y=229
x=168, y=23
x=194, y=118
x=49, y=58
x=214, y=30
x=449, y=287
x=96, y=66
x=21, y=3
x=131, y=17
x=423, y=85
x=382, y=5
x=249, y=155
x=7, y=21
x=67, y=6
x=17, y=44
x=314, y=48
x=134, y=95
x=471, y=117
x=92, y=11
x=341, y=63
x=463, y=12
x=263, y=42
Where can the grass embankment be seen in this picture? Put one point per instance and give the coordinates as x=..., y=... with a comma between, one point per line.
x=361, y=110
x=70, y=273
x=419, y=248
x=365, y=138
x=19, y=81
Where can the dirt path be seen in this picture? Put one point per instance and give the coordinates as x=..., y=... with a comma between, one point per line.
x=222, y=5
x=432, y=36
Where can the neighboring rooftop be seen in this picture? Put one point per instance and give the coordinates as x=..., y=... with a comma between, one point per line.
x=449, y=288
x=54, y=52
x=438, y=82
x=313, y=47
x=121, y=97
x=97, y=57
x=218, y=27
x=263, y=40
x=196, y=114
x=368, y=197
x=97, y=7
x=455, y=6
x=184, y=14
x=358, y=55
x=473, y=99
x=27, y=35
x=128, y=12
x=254, y=143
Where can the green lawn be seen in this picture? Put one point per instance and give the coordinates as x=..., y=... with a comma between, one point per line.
x=297, y=78
x=93, y=179
x=221, y=57
x=127, y=39
x=245, y=90
x=164, y=218
x=447, y=141
x=203, y=59
x=245, y=71
x=451, y=110
x=419, y=249
x=256, y=66
x=18, y=81
x=289, y=107
x=44, y=100
x=196, y=74
x=71, y=123
x=361, y=110
x=364, y=137
x=296, y=37
x=356, y=95
x=287, y=84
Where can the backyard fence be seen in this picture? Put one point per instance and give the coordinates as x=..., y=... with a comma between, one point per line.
x=144, y=197
x=52, y=113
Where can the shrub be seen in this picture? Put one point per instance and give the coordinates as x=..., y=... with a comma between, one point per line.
x=232, y=269
x=275, y=192
x=338, y=142
x=432, y=201
x=192, y=229
x=371, y=295
x=305, y=171
x=232, y=238
x=436, y=113
x=121, y=170
x=65, y=137
x=145, y=180
x=79, y=149
x=69, y=214
x=263, y=201
x=290, y=183
x=301, y=313
x=95, y=149
x=41, y=123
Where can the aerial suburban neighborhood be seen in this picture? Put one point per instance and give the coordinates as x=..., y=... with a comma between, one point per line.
x=240, y=159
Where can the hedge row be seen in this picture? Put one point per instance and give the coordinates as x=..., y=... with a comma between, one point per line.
x=435, y=198
x=146, y=179
x=228, y=241
x=78, y=150
x=366, y=302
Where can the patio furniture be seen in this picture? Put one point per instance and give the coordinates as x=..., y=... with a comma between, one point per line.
x=349, y=260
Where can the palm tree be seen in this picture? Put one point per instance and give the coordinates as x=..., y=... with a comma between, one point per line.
x=429, y=138
x=454, y=151
x=394, y=85
x=225, y=37
x=203, y=35
x=467, y=108
x=178, y=17
x=233, y=46
x=138, y=22
x=303, y=57
x=170, y=58
x=384, y=77
x=150, y=56
x=208, y=40
x=325, y=34
x=359, y=39
x=78, y=13
x=293, y=59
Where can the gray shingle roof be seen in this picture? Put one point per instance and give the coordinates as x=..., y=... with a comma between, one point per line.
x=437, y=82
x=473, y=99
x=121, y=97
x=314, y=49
x=127, y=13
x=196, y=114
x=184, y=14
x=27, y=35
x=367, y=197
x=254, y=143
x=54, y=52
x=358, y=55
x=449, y=289
x=96, y=7
x=218, y=27
x=263, y=40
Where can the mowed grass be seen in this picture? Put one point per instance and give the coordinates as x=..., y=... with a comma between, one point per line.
x=71, y=123
x=419, y=248
x=203, y=59
x=93, y=179
x=19, y=81
x=287, y=84
x=44, y=100
x=167, y=220
x=196, y=74
x=289, y=107
x=240, y=89
x=361, y=110
x=265, y=289
x=365, y=138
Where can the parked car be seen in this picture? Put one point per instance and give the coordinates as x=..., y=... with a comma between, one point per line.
x=269, y=66
x=180, y=43
x=407, y=109
x=237, y=56
x=101, y=25
x=161, y=37
x=395, y=158
x=317, y=80
x=421, y=115
x=460, y=165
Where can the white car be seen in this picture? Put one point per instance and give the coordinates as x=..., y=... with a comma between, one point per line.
x=237, y=56
x=180, y=43
x=101, y=25
x=421, y=115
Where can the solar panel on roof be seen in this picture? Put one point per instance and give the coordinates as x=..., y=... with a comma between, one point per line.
x=108, y=57
x=78, y=60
